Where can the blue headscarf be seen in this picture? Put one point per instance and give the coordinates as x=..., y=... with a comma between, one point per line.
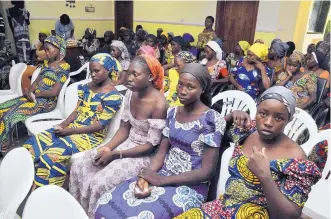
x=106, y=60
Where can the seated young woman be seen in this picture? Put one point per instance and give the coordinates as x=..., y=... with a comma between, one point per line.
x=120, y=52
x=178, y=178
x=90, y=43
x=41, y=97
x=248, y=76
x=270, y=176
x=303, y=83
x=84, y=129
x=131, y=148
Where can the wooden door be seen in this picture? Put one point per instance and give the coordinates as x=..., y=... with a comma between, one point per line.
x=236, y=21
x=123, y=15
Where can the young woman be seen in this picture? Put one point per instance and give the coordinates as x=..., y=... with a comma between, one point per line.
x=108, y=38
x=131, y=147
x=240, y=51
x=178, y=178
x=188, y=38
x=208, y=33
x=84, y=129
x=41, y=97
x=177, y=45
x=270, y=176
x=252, y=71
x=301, y=82
x=90, y=42
x=147, y=50
x=277, y=56
x=312, y=64
x=151, y=40
x=120, y=52
x=181, y=59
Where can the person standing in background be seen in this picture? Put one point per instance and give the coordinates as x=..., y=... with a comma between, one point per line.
x=65, y=26
x=2, y=27
x=18, y=19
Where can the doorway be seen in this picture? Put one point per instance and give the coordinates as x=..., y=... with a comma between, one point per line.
x=123, y=15
x=236, y=21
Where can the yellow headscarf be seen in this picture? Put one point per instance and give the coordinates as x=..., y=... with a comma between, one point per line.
x=44, y=31
x=260, y=50
x=244, y=45
x=165, y=34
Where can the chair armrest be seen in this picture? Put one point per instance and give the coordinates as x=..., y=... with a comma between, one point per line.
x=56, y=114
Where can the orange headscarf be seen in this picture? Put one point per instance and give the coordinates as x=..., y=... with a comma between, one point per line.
x=157, y=71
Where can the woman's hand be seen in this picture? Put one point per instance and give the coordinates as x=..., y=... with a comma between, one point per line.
x=151, y=176
x=62, y=132
x=241, y=119
x=105, y=155
x=259, y=65
x=289, y=72
x=27, y=95
x=259, y=164
x=141, y=189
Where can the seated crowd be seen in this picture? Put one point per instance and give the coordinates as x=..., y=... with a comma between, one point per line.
x=161, y=160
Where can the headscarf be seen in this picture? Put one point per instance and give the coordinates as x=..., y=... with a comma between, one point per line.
x=298, y=57
x=244, y=45
x=216, y=48
x=171, y=34
x=121, y=46
x=179, y=40
x=60, y=43
x=148, y=50
x=279, y=47
x=186, y=56
x=219, y=42
x=201, y=73
x=44, y=31
x=157, y=71
x=92, y=31
x=107, y=61
x=281, y=94
x=260, y=50
x=165, y=34
x=188, y=38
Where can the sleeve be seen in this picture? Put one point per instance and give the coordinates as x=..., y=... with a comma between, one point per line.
x=213, y=129
x=154, y=133
x=166, y=129
x=71, y=25
x=235, y=70
x=269, y=72
x=300, y=175
x=63, y=73
x=110, y=104
x=126, y=111
x=238, y=134
x=311, y=83
x=80, y=95
x=319, y=154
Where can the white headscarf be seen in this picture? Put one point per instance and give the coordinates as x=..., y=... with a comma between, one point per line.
x=217, y=49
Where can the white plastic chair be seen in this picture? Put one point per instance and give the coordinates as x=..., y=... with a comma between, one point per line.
x=15, y=78
x=85, y=66
x=52, y=202
x=235, y=100
x=16, y=178
x=301, y=121
x=318, y=203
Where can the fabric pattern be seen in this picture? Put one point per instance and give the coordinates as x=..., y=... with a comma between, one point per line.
x=218, y=70
x=172, y=96
x=52, y=153
x=97, y=179
x=19, y=109
x=109, y=63
x=5, y=54
x=187, y=141
x=204, y=38
x=244, y=197
x=59, y=42
x=93, y=47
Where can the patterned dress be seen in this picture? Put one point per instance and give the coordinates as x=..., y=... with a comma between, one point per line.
x=302, y=87
x=19, y=109
x=89, y=182
x=187, y=141
x=250, y=80
x=51, y=153
x=244, y=197
x=5, y=54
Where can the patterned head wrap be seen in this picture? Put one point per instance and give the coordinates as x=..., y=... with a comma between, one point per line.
x=188, y=38
x=186, y=56
x=165, y=34
x=216, y=48
x=92, y=31
x=244, y=45
x=148, y=50
x=59, y=42
x=201, y=73
x=298, y=57
x=260, y=50
x=281, y=94
x=106, y=60
x=44, y=31
x=279, y=47
x=156, y=70
x=121, y=46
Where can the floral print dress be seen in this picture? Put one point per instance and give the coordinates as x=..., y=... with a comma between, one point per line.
x=185, y=154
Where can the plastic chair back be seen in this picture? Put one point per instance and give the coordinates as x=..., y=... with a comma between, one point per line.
x=301, y=121
x=235, y=100
x=224, y=171
x=16, y=178
x=60, y=98
x=321, y=84
x=85, y=66
x=318, y=203
x=35, y=75
x=52, y=202
x=15, y=77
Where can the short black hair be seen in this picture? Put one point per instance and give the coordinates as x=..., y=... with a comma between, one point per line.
x=291, y=45
x=64, y=19
x=139, y=26
x=19, y=4
x=152, y=36
x=211, y=18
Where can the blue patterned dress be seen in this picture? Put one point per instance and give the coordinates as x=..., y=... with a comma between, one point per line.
x=185, y=154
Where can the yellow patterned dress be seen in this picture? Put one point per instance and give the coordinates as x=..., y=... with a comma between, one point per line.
x=19, y=109
x=52, y=153
x=244, y=197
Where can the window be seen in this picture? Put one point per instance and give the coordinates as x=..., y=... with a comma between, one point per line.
x=318, y=16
